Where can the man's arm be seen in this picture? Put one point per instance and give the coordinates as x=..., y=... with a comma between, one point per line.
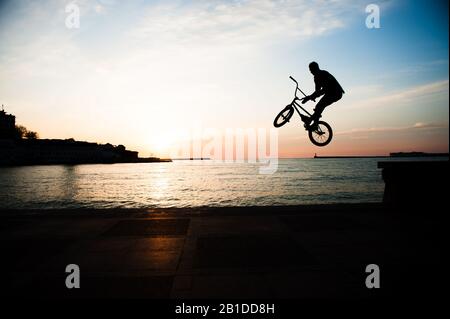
x=319, y=90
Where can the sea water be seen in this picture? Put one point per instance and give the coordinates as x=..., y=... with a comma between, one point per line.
x=192, y=183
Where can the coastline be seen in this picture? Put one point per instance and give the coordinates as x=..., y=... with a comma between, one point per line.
x=31, y=152
x=73, y=163
x=193, y=211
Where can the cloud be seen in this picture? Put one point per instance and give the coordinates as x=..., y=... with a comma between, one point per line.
x=415, y=127
x=416, y=69
x=219, y=22
x=404, y=96
x=37, y=42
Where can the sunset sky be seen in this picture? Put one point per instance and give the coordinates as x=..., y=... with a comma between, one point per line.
x=140, y=72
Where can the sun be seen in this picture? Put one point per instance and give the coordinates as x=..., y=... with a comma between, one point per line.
x=161, y=143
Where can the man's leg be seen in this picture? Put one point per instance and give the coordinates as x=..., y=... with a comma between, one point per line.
x=320, y=106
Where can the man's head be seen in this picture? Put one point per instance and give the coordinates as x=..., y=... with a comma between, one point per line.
x=314, y=67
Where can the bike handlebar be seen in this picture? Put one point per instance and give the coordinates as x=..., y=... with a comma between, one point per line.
x=297, y=89
x=293, y=79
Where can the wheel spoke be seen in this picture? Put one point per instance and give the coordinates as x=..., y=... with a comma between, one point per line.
x=321, y=135
x=283, y=117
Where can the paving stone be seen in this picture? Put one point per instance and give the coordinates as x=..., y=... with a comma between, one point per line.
x=237, y=225
x=119, y=286
x=36, y=229
x=182, y=283
x=250, y=251
x=117, y=261
x=158, y=244
x=81, y=228
x=315, y=284
x=12, y=225
x=296, y=256
x=88, y=261
x=351, y=256
x=108, y=244
x=312, y=223
x=149, y=227
x=27, y=254
x=226, y=286
x=153, y=260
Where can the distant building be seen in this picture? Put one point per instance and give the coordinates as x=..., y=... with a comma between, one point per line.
x=19, y=151
x=41, y=152
x=7, y=125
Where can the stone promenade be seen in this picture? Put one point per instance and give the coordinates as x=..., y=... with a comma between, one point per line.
x=256, y=252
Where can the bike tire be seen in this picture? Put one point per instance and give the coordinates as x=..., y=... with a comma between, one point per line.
x=321, y=135
x=285, y=115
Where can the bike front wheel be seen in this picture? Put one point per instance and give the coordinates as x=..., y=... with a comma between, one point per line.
x=321, y=134
x=284, y=116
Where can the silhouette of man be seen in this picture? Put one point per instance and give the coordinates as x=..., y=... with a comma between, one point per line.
x=327, y=86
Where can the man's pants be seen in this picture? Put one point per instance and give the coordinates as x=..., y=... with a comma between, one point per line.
x=326, y=100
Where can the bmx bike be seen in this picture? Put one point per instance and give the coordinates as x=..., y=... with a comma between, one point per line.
x=320, y=133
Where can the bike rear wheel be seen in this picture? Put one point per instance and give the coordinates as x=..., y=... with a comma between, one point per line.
x=284, y=116
x=321, y=134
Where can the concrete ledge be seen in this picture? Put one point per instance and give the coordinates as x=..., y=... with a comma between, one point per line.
x=414, y=182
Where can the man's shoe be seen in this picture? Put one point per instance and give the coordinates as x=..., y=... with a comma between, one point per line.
x=311, y=127
x=307, y=121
